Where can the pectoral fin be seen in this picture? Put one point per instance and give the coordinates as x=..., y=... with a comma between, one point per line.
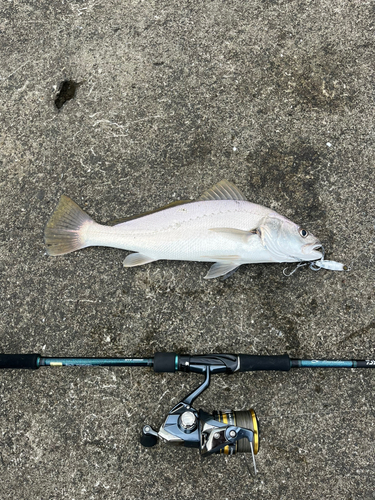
x=221, y=269
x=235, y=234
x=137, y=259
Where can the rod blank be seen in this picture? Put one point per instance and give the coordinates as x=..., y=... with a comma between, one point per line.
x=172, y=362
x=95, y=362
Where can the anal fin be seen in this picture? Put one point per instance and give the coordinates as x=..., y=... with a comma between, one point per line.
x=221, y=269
x=137, y=259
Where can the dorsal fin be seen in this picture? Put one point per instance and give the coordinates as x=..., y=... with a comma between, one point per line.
x=132, y=217
x=223, y=190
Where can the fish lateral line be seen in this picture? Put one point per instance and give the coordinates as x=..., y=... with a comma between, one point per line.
x=121, y=220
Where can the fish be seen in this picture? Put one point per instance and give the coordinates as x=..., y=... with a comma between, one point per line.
x=220, y=227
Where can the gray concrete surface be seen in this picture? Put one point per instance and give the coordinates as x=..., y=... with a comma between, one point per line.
x=276, y=96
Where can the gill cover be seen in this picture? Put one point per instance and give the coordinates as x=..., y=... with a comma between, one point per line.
x=283, y=239
x=272, y=237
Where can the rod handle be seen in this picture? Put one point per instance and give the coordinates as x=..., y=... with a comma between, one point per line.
x=219, y=363
x=29, y=361
x=250, y=363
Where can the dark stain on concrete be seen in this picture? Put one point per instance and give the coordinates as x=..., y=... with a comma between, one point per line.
x=197, y=147
x=67, y=91
x=318, y=80
x=289, y=172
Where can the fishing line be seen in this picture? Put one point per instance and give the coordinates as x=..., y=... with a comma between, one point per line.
x=313, y=265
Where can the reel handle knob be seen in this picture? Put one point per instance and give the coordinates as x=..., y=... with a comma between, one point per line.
x=149, y=437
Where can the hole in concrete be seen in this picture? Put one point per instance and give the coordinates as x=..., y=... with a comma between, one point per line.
x=66, y=92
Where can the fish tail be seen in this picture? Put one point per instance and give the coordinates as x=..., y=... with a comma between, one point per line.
x=66, y=230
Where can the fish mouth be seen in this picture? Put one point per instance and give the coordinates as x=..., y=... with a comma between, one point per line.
x=314, y=251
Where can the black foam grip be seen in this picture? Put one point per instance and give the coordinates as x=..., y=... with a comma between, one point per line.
x=19, y=361
x=165, y=362
x=250, y=363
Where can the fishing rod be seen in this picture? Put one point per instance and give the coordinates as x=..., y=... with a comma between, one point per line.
x=226, y=432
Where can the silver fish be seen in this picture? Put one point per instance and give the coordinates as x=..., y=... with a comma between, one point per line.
x=220, y=227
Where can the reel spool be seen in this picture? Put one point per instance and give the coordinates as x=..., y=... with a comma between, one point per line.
x=243, y=418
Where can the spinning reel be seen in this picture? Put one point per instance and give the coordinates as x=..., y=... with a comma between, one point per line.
x=226, y=432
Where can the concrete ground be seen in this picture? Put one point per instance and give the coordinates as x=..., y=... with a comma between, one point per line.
x=275, y=96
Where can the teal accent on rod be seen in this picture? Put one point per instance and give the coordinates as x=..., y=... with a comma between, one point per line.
x=321, y=363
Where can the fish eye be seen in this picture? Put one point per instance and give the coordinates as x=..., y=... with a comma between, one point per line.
x=303, y=232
